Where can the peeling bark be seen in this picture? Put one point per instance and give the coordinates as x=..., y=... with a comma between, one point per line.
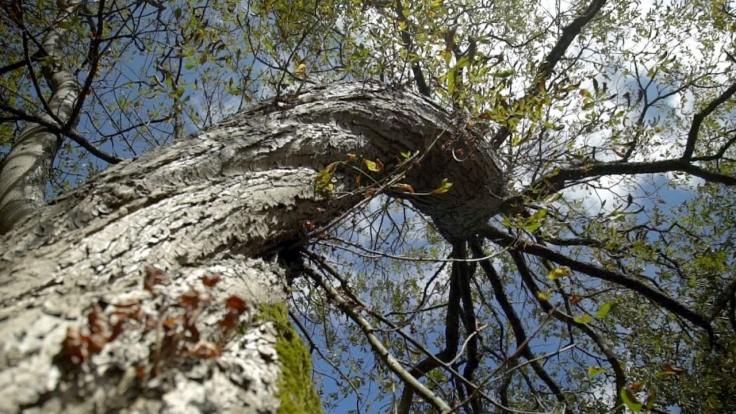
x=223, y=202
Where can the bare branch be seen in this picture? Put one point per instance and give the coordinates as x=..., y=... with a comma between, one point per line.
x=519, y=334
x=692, y=135
x=598, y=272
x=55, y=128
x=350, y=310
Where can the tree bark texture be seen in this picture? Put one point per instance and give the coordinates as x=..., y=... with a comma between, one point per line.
x=158, y=286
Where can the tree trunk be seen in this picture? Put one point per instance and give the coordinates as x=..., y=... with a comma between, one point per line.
x=159, y=286
x=24, y=173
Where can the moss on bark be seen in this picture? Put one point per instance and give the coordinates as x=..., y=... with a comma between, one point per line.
x=296, y=389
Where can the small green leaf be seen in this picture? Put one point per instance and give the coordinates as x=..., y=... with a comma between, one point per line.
x=583, y=319
x=443, y=188
x=463, y=62
x=324, y=178
x=595, y=370
x=663, y=374
x=532, y=227
x=558, y=273
x=650, y=399
x=371, y=165
x=714, y=402
x=503, y=73
x=406, y=155
x=605, y=309
x=451, y=82
x=628, y=397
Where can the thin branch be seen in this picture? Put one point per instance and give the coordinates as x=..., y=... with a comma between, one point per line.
x=569, y=33
x=470, y=322
x=350, y=310
x=408, y=44
x=55, y=128
x=329, y=269
x=563, y=177
x=452, y=339
x=598, y=272
x=317, y=349
x=528, y=280
x=93, y=56
x=722, y=300
x=519, y=334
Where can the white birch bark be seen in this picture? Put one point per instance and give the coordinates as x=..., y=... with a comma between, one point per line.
x=25, y=170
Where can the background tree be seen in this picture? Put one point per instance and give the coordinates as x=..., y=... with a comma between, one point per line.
x=558, y=238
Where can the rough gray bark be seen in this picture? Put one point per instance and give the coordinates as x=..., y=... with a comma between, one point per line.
x=25, y=171
x=223, y=202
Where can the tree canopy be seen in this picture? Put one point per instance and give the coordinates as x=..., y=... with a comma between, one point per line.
x=593, y=273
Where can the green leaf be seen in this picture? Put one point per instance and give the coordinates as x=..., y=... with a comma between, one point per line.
x=451, y=82
x=324, y=179
x=463, y=62
x=651, y=398
x=532, y=227
x=663, y=374
x=605, y=309
x=443, y=188
x=503, y=73
x=371, y=165
x=628, y=397
x=558, y=273
x=714, y=402
x=594, y=370
x=583, y=319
